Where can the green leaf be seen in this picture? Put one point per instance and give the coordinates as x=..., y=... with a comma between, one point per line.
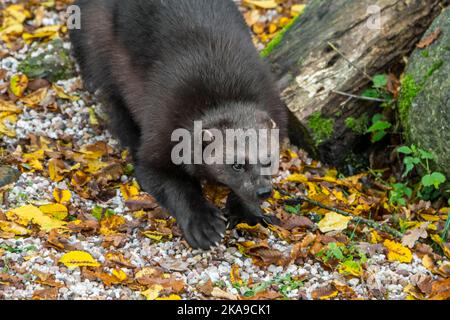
x=380, y=81
x=378, y=136
x=426, y=155
x=435, y=179
x=371, y=93
x=379, y=126
x=404, y=150
x=410, y=163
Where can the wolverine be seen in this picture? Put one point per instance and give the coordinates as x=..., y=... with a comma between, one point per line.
x=162, y=65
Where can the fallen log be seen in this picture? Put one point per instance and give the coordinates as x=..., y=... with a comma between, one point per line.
x=329, y=55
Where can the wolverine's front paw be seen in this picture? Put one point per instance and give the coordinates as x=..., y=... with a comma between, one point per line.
x=205, y=229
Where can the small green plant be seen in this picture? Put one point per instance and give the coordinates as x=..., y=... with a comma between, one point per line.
x=414, y=157
x=398, y=193
x=378, y=90
x=350, y=258
x=293, y=210
x=99, y=212
x=379, y=127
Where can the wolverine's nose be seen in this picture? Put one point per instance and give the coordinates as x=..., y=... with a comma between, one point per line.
x=264, y=193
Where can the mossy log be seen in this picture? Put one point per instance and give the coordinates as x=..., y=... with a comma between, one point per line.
x=335, y=47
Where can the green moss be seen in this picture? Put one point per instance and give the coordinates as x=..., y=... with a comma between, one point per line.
x=359, y=125
x=277, y=39
x=434, y=67
x=425, y=53
x=321, y=127
x=409, y=90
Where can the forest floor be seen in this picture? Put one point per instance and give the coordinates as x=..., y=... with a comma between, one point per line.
x=75, y=225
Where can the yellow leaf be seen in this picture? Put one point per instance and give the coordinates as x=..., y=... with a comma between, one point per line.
x=110, y=224
x=264, y=4
x=56, y=210
x=14, y=228
x=120, y=274
x=129, y=191
x=333, y=222
x=40, y=33
x=75, y=259
x=30, y=214
x=375, y=237
x=34, y=159
x=18, y=84
x=171, y=297
x=62, y=196
x=153, y=292
x=34, y=99
x=54, y=170
x=444, y=246
x=297, y=9
x=235, y=276
x=299, y=178
x=6, y=106
x=62, y=94
x=397, y=252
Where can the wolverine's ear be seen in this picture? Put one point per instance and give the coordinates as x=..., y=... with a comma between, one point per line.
x=263, y=117
x=207, y=135
x=274, y=124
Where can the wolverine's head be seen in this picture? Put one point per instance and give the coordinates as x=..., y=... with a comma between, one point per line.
x=240, y=149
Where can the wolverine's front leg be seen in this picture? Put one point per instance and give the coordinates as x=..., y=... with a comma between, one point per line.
x=202, y=224
x=238, y=211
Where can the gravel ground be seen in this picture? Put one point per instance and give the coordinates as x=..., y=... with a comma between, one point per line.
x=382, y=279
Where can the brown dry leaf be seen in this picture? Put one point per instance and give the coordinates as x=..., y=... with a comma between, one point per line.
x=413, y=235
x=440, y=290
x=141, y=202
x=220, y=294
x=47, y=279
x=262, y=254
x=154, y=276
x=427, y=41
x=117, y=259
x=206, y=288
x=34, y=99
x=46, y=294
x=324, y=293
x=88, y=225
x=291, y=221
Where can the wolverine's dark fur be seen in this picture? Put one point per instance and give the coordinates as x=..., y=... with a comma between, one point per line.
x=160, y=65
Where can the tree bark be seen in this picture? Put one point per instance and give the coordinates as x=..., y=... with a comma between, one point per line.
x=337, y=46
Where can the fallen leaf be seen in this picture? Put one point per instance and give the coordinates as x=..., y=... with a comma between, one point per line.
x=46, y=294
x=427, y=41
x=410, y=238
x=55, y=210
x=75, y=259
x=30, y=214
x=397, y=252
x=333, y=222
x=62, y=196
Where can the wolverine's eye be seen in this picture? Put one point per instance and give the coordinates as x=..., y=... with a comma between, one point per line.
x=238, y=167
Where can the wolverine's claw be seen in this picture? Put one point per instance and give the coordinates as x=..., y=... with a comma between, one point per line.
x=223, y=218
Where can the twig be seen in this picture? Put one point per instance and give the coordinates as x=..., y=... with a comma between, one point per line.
x=359, y=97
x=348, y=60
x=371, y=223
